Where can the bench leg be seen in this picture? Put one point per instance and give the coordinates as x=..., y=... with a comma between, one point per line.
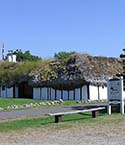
x=58, y=118
x=94, y=114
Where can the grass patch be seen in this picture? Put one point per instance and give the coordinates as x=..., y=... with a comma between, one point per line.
x=20, y=124
x=67, y=122
x=5, y=102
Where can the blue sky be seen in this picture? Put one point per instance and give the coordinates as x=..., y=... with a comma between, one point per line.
x=45, y=27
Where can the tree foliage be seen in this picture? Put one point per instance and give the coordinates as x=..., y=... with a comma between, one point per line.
x=63, y=55
x=26, y=56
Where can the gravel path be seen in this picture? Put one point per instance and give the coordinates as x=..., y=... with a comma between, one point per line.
x=32, y=112
x=29, y=112
x=78, y=134
x=39, y=112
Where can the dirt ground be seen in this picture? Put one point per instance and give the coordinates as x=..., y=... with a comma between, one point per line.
x=106, y=133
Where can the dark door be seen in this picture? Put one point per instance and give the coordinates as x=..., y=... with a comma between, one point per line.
x=25, y=91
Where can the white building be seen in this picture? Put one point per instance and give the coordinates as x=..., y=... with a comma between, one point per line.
x=86, y=92
x=81, y=77
x=12, y=58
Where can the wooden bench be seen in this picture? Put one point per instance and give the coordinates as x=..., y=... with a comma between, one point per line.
x=58, y=116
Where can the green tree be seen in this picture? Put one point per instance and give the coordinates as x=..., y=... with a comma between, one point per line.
x=26, y=56
x=63, y=55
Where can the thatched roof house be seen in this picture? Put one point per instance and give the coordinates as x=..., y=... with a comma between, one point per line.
x=80, y=77
x=76, y=71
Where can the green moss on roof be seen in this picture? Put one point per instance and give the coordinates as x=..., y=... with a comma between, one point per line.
x=77, y=69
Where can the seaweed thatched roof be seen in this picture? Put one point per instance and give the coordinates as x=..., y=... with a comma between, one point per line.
x=76, y=71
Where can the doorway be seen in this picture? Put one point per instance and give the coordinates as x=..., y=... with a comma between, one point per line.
x=25, y=91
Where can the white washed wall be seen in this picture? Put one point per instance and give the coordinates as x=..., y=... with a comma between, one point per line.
x=49, y=93
x=123, y=95
x=53, y=94
x=4, y=93
x=103, y=92
x=58, y=94
x=44, y=94
x=84, y=93
x=77, y=94
x=93, y=91
x=71, y=95
x=16, y=92
x=36, y=93
x=65, y=95
x=9, y=92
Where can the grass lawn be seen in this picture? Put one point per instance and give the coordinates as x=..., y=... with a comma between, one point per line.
x=75, y=130
x=5, y=102
x=67, y=121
